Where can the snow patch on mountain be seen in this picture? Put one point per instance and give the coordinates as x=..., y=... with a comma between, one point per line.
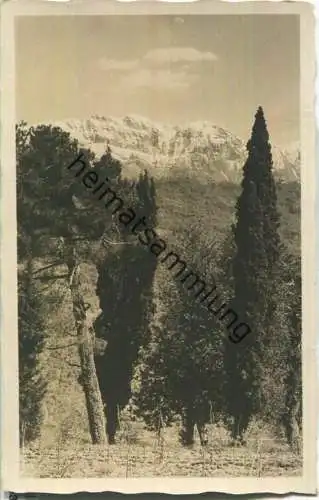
x=200, y=148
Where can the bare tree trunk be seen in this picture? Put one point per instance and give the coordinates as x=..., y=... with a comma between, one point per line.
x=187, y=431
x=88, y=376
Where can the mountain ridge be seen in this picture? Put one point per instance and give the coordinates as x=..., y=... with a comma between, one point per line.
x=200, y=148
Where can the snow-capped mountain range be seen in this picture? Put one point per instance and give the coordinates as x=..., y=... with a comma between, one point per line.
x=200, y=148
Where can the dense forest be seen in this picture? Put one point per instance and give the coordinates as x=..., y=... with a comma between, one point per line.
x=98, y=309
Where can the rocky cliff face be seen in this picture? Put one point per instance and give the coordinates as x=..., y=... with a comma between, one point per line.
x=202, y=149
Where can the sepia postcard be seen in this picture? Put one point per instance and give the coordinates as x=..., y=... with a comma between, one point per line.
x=158, y=247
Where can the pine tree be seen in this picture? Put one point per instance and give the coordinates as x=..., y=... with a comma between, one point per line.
x=46, y=209
x=254, y=264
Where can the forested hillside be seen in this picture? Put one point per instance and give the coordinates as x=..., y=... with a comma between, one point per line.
x=115, y=356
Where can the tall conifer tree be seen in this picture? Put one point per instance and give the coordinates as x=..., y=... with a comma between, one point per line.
x=254, y=270
x=124, y=288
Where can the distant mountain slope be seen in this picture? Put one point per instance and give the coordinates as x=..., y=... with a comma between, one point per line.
x=197, y=171
x=201, y=149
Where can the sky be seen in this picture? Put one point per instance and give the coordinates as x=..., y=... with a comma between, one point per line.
x=218, y=68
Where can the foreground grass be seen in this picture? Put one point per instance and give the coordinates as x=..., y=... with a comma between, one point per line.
x=140, y=453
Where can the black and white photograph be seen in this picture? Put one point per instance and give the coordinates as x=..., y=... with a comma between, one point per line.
x=158, y=258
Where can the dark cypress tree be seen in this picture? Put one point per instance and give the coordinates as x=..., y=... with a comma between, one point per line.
x=125, y=291
x=96, y=220
x=258, y=169
x=254, y=270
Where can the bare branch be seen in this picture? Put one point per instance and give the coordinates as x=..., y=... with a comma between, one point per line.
x=71, y=275
x=55, y=263
x=116, y=242
x=62, y=346
x=48, y=278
